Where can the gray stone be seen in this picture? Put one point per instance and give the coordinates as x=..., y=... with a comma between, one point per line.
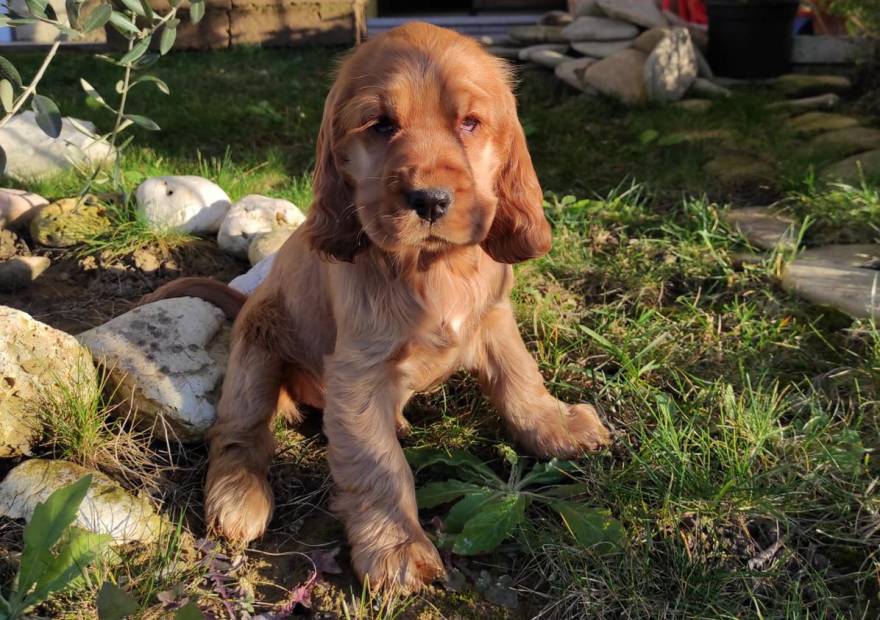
x=763, y=228
x=844, y=277
x=828, y=101
x=620, y=76
x=698, y=106
x=815, y=122
x=267, y=244
x=599, y=29
x=37, y=365
x=106, y=509
x=17, y=207
x=526, y=52
x=166, y=358
x=803, y=85
x=187, y=203
x=255, y=215
x=493, y=40
x=582, y=8
x=831, y=50
x=248, y=282
x=847, y=141
x=537, y=34
x=555, y=18
x=21, y=271
x=649, y=39
x=510, y=53
x=31, y=154
x=549, y=58
x=671, y=68
x=572, y=73
x=703, y=87
x=738, y=169
x=600, y=49
x=853, y=169
x=643, y=13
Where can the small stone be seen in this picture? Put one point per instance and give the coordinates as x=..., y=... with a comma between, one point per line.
x=853, y=169
x=525, y=53
x=802, y=85
x=537, y=34
x=17, y=207
x=763, y=228
x=830, y=50
x=671, y=68
x=844, y=277
x=267, y=244
x=167, y=359
x=106, y=509
x=698, y=135
x=600, y=49
x=549, y=58
x=847, y=141
x=255, y=215
x=698, y=106
x=828, y=101
x=620, y=76
x=37, y=363
x=248, y=282
x=491, y=40
x=649, y=39
x=815, y=122
x=21, y=271
x=510, y=53
x=69, y=221
x=555, y=18
x=643, y=13
x=738, y=170
x=187, y=203
x=703, y=87
x=572, y=72
x=31, y=154
x=11, y=245
x=599, y=29
x=582, y=8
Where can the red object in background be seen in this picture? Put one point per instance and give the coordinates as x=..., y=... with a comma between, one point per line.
x=693, y=11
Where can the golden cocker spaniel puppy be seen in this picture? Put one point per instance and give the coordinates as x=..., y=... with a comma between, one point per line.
x=424, y=196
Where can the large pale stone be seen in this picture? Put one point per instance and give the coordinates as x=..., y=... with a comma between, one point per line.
x=106, y=509
x=527, y=52
x=620, y=76
x=643, y=13
x=248, y=282
x=847, y=141
x=841, y=276
x=599, y=29
x=31, y=154
x=69, y=221
x=549, y=58
x=763, y=228
x=828, y=101
x=737, y=169
x=17, y=207
x=815, y=122
x=168, y=358
x=38, y=365
x=600, y=49
x=671, y=68
x=649, y=39
x=572, y=72
x=537, y=34
x=188, y=203
x=252, y=216
x=804, y=85
x=853, y=169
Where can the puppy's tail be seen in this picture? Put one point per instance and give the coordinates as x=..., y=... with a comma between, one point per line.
x=224, y=297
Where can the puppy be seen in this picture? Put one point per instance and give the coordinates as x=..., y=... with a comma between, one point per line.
x=425, y=195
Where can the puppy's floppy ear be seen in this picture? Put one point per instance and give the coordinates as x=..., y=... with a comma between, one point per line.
x=332, y=226
x=519, y=231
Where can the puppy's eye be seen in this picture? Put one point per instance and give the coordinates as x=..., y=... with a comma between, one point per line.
x=385, y=126
x=470, y=124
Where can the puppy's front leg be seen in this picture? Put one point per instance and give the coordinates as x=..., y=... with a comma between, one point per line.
x=542, y=424
x=375, y=490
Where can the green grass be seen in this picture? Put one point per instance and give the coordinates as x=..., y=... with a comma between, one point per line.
x=744, y=469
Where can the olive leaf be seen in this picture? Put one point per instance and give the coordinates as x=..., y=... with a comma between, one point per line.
x=166, y=41
x=7, y=95
x=48, y=115
x=143, y=121
x=9, y=72
x=97, y=18
x=196, y=10
x=140, y=48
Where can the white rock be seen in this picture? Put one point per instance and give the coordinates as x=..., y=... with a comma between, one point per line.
x=620, y=76
x=549, y=58
x=599, y=29
x=188, y=203
x=36, y=363
x=168, y=358
x=106, y=509
x=763, y=228
x=255, y=215
x=600, y=49
x=643, y=13
x=526, y=52
x=31, y=154
x=17, y=207
x=671, y=68
x=267, y=244
x=248, y=282
x=572, y=73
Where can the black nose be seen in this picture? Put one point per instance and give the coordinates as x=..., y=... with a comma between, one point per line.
x=431, y=203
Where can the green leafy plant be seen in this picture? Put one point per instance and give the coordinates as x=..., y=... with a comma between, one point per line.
x=114, y=603
x=486, y=510
x=55, y=554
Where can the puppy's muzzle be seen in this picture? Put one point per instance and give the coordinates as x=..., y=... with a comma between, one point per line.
x=430, y=203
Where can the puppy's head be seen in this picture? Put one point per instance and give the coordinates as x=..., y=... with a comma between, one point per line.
x=420, y=148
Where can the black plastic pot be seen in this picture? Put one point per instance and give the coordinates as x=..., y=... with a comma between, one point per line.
x=751, y=39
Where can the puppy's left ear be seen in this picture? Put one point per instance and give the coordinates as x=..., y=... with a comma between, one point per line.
x=519, y=231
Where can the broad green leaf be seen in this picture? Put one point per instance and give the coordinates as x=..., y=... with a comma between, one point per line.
x=468, y=507
x=189, y=612
x=590, y=527
x=9, y=72
x=97, y=18
x=135, y=7
x=436, y=493
x=52, y=517
x=564, y=491
x=7, y=96
x=552, y=471
x=114, y=603
x=494, y=523
x=140, y=48
x=80, y=549
x=648, y=136
x=48, y=115
x=147, y=9
x=196, y=10
x=464, y=464
x=91, y=91
x=671, y=139
x=161, y=85
x=123, y=24
x=38, y=8
x=166, y=41
x=143, y=121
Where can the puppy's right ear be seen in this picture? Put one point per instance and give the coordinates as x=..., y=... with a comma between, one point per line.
x=332, y=226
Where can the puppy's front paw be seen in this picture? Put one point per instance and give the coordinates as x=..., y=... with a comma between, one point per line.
x=569, y=432
x=403, y=568
x=238, y=504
